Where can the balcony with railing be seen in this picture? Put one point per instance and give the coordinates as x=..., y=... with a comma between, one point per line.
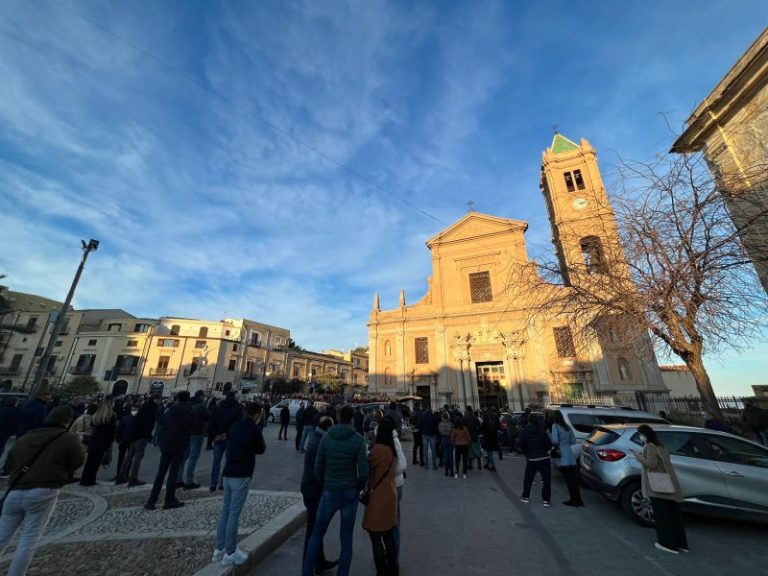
x=23, y=328
x=81, y=370
x=126, y=370
x=160, y=371
x=251, y=374
x=9, y=370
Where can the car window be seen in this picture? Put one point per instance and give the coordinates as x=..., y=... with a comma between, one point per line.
x=736, y=451
x=601, y=437
x=584, y=423
x=611, y=419
x=681, y=443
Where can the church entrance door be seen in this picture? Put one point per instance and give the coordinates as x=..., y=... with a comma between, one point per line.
x=491, y=385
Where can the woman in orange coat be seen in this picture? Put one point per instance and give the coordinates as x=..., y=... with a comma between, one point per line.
x=381, y=513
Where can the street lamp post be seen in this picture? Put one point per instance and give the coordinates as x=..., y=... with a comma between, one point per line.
x=59, y=324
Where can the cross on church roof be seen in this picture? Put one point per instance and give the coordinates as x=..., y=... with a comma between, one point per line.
x=470, y=206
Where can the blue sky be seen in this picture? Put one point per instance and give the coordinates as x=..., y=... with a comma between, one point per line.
x=185, y=136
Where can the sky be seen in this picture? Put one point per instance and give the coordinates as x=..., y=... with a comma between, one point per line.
x=283, y=160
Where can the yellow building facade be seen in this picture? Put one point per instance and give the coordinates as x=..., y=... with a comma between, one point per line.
x=473, y=339
x=730, y=128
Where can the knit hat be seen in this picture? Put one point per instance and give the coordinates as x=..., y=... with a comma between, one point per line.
x=60, y=415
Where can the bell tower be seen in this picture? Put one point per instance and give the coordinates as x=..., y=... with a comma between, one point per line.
x=584, y=228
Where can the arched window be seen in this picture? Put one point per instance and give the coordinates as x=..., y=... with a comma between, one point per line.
x=175, y=330
x=387, y=348
x=203, y=332
x=624, y=373
x=387, y=378
x=592, y=252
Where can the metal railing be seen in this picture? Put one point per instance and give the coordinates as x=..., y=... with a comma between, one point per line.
x=161, y=371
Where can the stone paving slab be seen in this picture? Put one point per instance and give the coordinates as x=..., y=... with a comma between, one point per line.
x=105, y=530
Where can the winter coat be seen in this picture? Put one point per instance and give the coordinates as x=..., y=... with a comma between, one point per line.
x=125, y=429
x=9, y=420
x=309, y=416
x=490, y=430
x=299, y=418
x=226, y=414
x=144, y=422
x=359, y=421
x=54, y=467
x=656, y=459
x=202, y=416
x=473, y=425
x=175, y=427
x=460, y=437
x=102, y=436
x=428, y=423
x=341, y=459
x=32, y=415
x=534, y=442
x=285, y=415
x=445, y=427
x=311, y=485
x=563, y=438
x=244, y=441
x=381, y=512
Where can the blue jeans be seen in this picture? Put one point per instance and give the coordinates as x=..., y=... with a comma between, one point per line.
x=235, y=494
x=219, y=448
x=32, y=507
x=489, y=459
x=195, y=446
x=305, y=433
x=447, y=454
x=396, y=529
x=345, y=502
x=429, y=446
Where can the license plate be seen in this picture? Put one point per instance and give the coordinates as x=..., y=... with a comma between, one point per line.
x=586, y=460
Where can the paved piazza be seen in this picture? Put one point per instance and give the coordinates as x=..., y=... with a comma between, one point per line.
x=105, y=530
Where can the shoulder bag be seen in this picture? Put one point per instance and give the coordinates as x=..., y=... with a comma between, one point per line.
x=26, y=468
x=365, y=493
x=660, y=482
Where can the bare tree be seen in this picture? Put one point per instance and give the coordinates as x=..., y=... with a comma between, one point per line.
x=680, y=271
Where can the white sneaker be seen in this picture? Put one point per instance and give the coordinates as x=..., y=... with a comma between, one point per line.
x=238, y=558
x=455, y=475
x=665, y=549
x=217, y=555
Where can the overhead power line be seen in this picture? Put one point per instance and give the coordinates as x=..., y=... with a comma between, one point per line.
x=243, y=110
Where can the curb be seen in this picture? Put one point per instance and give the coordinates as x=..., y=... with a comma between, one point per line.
x=262, y=542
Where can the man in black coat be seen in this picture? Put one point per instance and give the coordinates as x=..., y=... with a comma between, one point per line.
x=308, y=420
x=224, y=417
x=535, y=443
x=33, y=414
x=299, y=424
x=176, y=425
x=197, y=435
x=142, y=426
x=285, y=420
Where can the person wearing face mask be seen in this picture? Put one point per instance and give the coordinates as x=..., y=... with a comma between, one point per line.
x=142, y=426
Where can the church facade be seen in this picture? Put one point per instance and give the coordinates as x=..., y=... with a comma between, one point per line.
x=473, y=339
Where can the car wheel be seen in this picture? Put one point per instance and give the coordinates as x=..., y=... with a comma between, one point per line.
x=637, y=506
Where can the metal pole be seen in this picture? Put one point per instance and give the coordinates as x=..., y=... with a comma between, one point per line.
x=59, y=324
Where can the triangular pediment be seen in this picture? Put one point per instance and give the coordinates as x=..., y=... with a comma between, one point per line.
x=476, y=225
x=562, y=145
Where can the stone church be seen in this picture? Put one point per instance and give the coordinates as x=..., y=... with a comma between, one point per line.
x=472, y=340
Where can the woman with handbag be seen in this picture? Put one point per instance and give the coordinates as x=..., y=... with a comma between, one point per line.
x=661, y=486
x=39, y=464
x=563, y=459
x=102, y=436
x=380, y=516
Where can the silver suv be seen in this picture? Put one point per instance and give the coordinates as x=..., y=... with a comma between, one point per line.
x=584, y=418
x=720, y=474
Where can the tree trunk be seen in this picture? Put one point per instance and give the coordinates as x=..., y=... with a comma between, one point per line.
x=696, y=366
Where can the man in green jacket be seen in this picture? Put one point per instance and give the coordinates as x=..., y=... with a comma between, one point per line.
x=39, y=464
x=342, y=468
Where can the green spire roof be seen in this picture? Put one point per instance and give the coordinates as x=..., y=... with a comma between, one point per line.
x=561, y=144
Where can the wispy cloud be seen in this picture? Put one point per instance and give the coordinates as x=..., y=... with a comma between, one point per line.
x=203, y=179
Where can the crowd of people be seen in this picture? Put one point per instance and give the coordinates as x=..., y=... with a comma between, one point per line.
x=350, y=456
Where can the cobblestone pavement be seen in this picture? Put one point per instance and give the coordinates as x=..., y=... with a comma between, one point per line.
x=105, y=530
